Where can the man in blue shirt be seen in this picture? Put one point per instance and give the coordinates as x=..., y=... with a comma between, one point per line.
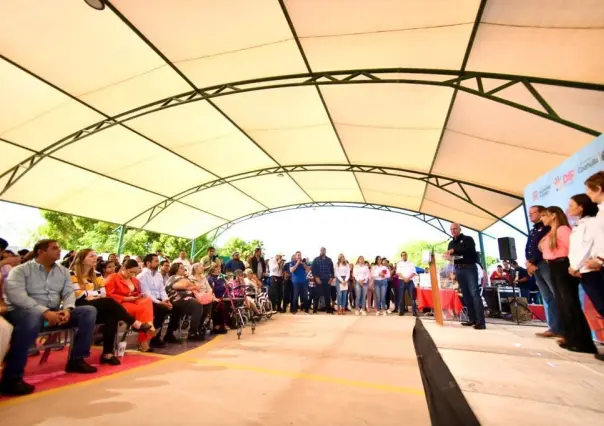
x=234, y=263
x=37, y=292
x=538, y=267
x=323, y=272
x=298, y=270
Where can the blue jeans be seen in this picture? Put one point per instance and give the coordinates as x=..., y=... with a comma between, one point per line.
x=28, y=323
x=300, y=291
x=468, y=283
x=342, y=298
x=380, y=294
x=361, y=291
x=544, y=283
x=409, y=288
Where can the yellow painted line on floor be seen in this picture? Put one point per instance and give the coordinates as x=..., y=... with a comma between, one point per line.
x=164, y=359
x=312, y=377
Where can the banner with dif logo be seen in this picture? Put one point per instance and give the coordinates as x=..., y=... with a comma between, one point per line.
x=557, y=186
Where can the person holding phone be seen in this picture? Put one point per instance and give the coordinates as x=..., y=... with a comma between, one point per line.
x=299, y=271
x=126, y=290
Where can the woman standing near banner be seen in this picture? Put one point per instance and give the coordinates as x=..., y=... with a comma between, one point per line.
x=593, y=282
x=555, y=248
x=582, y=241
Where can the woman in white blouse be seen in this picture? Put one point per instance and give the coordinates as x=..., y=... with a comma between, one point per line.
x=361, y=282
x=581, y=248
x=380, y=275
x=342, y=274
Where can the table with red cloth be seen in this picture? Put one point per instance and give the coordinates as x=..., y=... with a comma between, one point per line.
x=449, y=300
x=538, y=311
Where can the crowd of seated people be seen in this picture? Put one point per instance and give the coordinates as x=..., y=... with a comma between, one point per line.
x=43, y=292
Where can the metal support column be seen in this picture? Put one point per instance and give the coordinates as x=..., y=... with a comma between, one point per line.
x=526, y=218
x=483, y=256
x=120, y=241
x=192, y=249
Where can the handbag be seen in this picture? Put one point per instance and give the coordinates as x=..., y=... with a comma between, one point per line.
x=203, y=298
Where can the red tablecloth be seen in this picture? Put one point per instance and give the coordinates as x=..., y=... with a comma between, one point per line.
x=538, y=311
x=449, y=299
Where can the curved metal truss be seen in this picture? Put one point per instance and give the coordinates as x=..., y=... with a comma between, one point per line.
x=441, y=182
x=464, y=81
x=435, y=222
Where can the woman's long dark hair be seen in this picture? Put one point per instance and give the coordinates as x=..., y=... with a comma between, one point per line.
x=588, y=207
x=560, y=220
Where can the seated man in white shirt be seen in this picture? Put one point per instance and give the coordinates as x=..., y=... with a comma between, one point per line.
x=406, y=271
x=152, y=286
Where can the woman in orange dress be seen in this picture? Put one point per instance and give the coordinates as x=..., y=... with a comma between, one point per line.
x=125, y=289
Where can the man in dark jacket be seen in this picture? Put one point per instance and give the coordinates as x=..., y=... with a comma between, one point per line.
x=258, y=265
x=323, y=273
x=463, y=250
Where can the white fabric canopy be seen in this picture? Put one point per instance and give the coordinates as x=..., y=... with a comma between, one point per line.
x=179, y=116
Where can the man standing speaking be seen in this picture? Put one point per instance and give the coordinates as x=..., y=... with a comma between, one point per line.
x=463, y=250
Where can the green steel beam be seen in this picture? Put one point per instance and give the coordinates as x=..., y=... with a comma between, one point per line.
x=363, y=76
x=159, y=53
x=193, y=241
x=120, y=241
x=464, y=62
x=434, y=180
x=483, y=256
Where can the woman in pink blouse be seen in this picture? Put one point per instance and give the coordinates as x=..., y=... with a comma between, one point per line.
x=555, y=248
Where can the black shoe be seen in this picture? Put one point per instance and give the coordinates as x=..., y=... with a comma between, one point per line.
x=468, y=324
x=307, y=311
x=170, y=338
x=401, y=314
x=16, y=388
x=599, y=357
x=314, y=312
x=110, y=361
x=222, y=330
x=157, y=343
x=572, y=348
x=415, y=314
x=196, y=337
x=79, y=366
x=480, y=327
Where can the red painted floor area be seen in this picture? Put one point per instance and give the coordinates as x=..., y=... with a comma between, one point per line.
x=52, y=374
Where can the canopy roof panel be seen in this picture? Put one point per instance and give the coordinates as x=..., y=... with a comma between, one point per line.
x=180, y=116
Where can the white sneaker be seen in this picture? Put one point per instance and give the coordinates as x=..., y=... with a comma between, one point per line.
x=388, y=312
x=364, y=313
x=385, y=313
x=356, y=313
x=377, y=314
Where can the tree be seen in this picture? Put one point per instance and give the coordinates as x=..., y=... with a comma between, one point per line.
x=244, y=248
x=415, y=251
x=73, y=232
x=491, y=261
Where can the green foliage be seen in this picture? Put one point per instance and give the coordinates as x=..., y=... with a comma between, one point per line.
x=415, y=249
x=243, y=247
x=491, y=261
x=76, y=233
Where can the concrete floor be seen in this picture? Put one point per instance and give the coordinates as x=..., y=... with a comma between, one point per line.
x=511, y=377
x=296, y=370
